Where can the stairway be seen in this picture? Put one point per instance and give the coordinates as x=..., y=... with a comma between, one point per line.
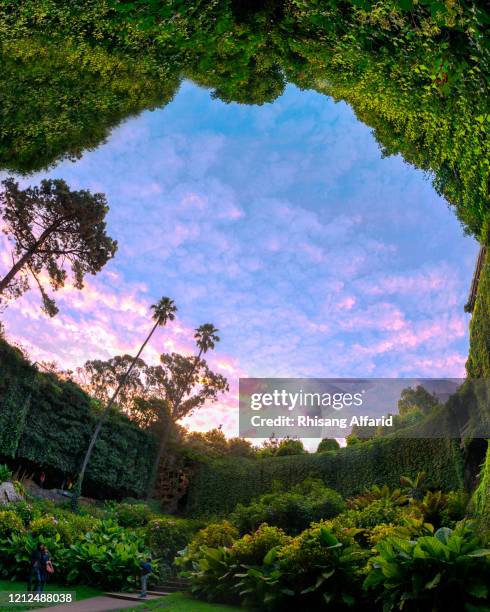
x=172, y=585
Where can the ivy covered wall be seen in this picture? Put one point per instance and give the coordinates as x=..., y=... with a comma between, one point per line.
x=478, y=366
x=46, y=423
x=218, y=486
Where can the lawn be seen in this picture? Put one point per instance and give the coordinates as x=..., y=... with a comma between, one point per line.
x=180, y=602
x=82, y=592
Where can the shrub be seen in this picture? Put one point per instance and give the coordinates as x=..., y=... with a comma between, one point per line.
x=24, y=510
x=446, y=571
x=290, y=447
x=214, y=536
x=131, y=515
x=455, y=510
x=376, y=513
x=292, y=511
x=5, y=473
x=166, y=537
x=322, y=569
x=108, y=556
x=252, y=548
x=10, y=523
x=394, y=497
x=328, y=444
x=212, y=573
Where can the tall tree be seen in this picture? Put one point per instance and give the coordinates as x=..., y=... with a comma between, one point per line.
x=163, y=311
x=187, y=383
x=101, y=378
x=52, y=228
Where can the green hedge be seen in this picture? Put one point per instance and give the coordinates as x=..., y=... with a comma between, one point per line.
x=47, y=422
x=218, y=486
x=478, y=366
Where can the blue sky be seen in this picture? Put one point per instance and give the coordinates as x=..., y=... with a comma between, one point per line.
x=280, y=224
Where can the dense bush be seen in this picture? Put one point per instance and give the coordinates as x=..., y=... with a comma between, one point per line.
x=327, y=444
x=214, y=535
x=219, y=486
x=411, y=567
x=293, y=511
x=94, y=550
x=252, y=548
x=131, y=515
x=446, y=571
x=166, y=537
x=10, y=522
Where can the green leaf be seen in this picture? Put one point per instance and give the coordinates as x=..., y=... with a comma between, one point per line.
x=434, y=582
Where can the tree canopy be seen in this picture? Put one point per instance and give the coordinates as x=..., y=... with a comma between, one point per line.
x=52, y=229
x=417, y=73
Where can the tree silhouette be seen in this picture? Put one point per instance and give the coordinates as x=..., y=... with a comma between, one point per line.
x=185, y=374
x=163, y=311
x=52, y=228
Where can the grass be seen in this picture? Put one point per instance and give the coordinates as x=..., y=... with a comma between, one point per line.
x=180, y=602
x=82, y=592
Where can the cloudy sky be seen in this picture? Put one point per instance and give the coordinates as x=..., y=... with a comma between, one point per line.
x=280, y=224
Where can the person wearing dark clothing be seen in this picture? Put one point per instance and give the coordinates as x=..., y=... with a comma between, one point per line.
x=145, y=570
x=43, y=573
x=35, y=568
x=38, y=572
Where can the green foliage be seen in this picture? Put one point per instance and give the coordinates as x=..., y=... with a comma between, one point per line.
x=417, y=398
x=219, y=486
x=415, y=72
x=53, y=229
x=481, y=498
x=166, y=537
x=252, y=548
x=5, y=473
x=290, y=447
x=57, y=426
x=292, y=511
x=131, y=515
x=10, y=522
x=327, y=444
x=478, y=364
x=415, y=487
x=214, y=536
x=110, y=556
x=378, y=512
x=322, y=569
x=81, y=101
x=446, y=571
x=394, y=497
x=83, y=548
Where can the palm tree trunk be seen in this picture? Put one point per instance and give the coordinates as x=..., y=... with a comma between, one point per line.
x=78, y=487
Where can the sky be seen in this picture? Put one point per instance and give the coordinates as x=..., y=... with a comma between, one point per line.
x=280, y=224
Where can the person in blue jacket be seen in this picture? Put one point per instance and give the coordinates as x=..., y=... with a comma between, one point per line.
x=145, y=570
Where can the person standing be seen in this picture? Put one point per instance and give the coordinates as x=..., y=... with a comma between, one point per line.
x=35, y=568
x=145, y=570
x=45, y=569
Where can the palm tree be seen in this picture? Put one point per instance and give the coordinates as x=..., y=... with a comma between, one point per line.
x=163, y=311
x=206, y=337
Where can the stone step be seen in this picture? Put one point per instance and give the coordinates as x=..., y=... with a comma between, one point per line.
x=170, y=588
x=130, y=596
